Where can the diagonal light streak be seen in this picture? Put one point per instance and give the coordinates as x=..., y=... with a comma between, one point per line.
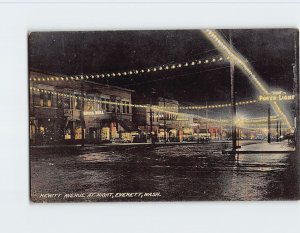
x=231, y=54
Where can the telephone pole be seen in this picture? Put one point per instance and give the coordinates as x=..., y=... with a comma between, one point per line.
x=198, y=128
x=296, y=89
x=277, y=133
x=82, y=117
x=233, y=99
x=151, y=117
x=269, y=123
x=151, y=124
x=206, y=126
x=280, y=130
x=165, y=135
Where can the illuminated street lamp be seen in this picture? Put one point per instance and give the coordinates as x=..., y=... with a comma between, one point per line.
x=239, y=122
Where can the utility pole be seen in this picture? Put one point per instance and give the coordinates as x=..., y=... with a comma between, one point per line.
x=82, y=105
x=151, y=118
x=269, y=123
x=198, y=128
x=238, y=137
x=277, y=133
x=206, y=126
x=151, y=124
x=280, y=130
x=296, y=89
x=165, y=135
x=82, y=117
x=233, y=100
x=220, y=129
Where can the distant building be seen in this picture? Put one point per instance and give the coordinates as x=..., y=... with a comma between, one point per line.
x=73, y=111
x=166, y=121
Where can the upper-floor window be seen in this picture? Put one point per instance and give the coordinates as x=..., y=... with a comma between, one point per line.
x=45, y=99
x=76, y=102
x=118, y=108
x=123, y=107
x=67, y=103
x=90, y=106
x=103, y=104
x=127, y=107
x=98, y=106
x=107, y=105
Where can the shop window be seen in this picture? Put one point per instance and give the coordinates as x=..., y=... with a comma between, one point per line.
x=105, y=133
x=68, y=134
x=78, y=133
x=42, y=130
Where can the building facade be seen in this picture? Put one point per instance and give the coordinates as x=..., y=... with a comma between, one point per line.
x=162, y=120
x=78, y=111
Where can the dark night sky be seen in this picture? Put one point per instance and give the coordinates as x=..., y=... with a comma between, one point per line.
x=271, y=52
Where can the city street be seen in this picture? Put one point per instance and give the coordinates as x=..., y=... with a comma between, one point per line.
x=169, y=172
x=163, y=115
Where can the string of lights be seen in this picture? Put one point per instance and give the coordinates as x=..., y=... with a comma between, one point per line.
x=209, y=106
x=132, y=72
x=85, y=98
x=161, y=108
x=93, y=100
x=261, y=120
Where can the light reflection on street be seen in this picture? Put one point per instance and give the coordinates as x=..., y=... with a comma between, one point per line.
x=189, y=172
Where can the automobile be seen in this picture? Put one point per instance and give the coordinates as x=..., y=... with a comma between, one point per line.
x=173, y=139
x=118, y=140
x=141, y=139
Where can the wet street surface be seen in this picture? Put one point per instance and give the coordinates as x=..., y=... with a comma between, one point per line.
x=160, y=172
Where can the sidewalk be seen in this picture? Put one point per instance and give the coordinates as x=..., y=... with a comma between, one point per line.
x=127, y=144
x=263, y=147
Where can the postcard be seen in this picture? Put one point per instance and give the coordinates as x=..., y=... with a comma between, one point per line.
x=165, y=115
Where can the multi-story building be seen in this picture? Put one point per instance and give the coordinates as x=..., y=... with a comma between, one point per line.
x=162, y=116
x=78, y=111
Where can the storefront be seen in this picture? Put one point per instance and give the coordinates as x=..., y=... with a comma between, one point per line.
x=188, y=134
x=105, y=134
x=94, y=135
x=74, y=131
x=45, y=131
